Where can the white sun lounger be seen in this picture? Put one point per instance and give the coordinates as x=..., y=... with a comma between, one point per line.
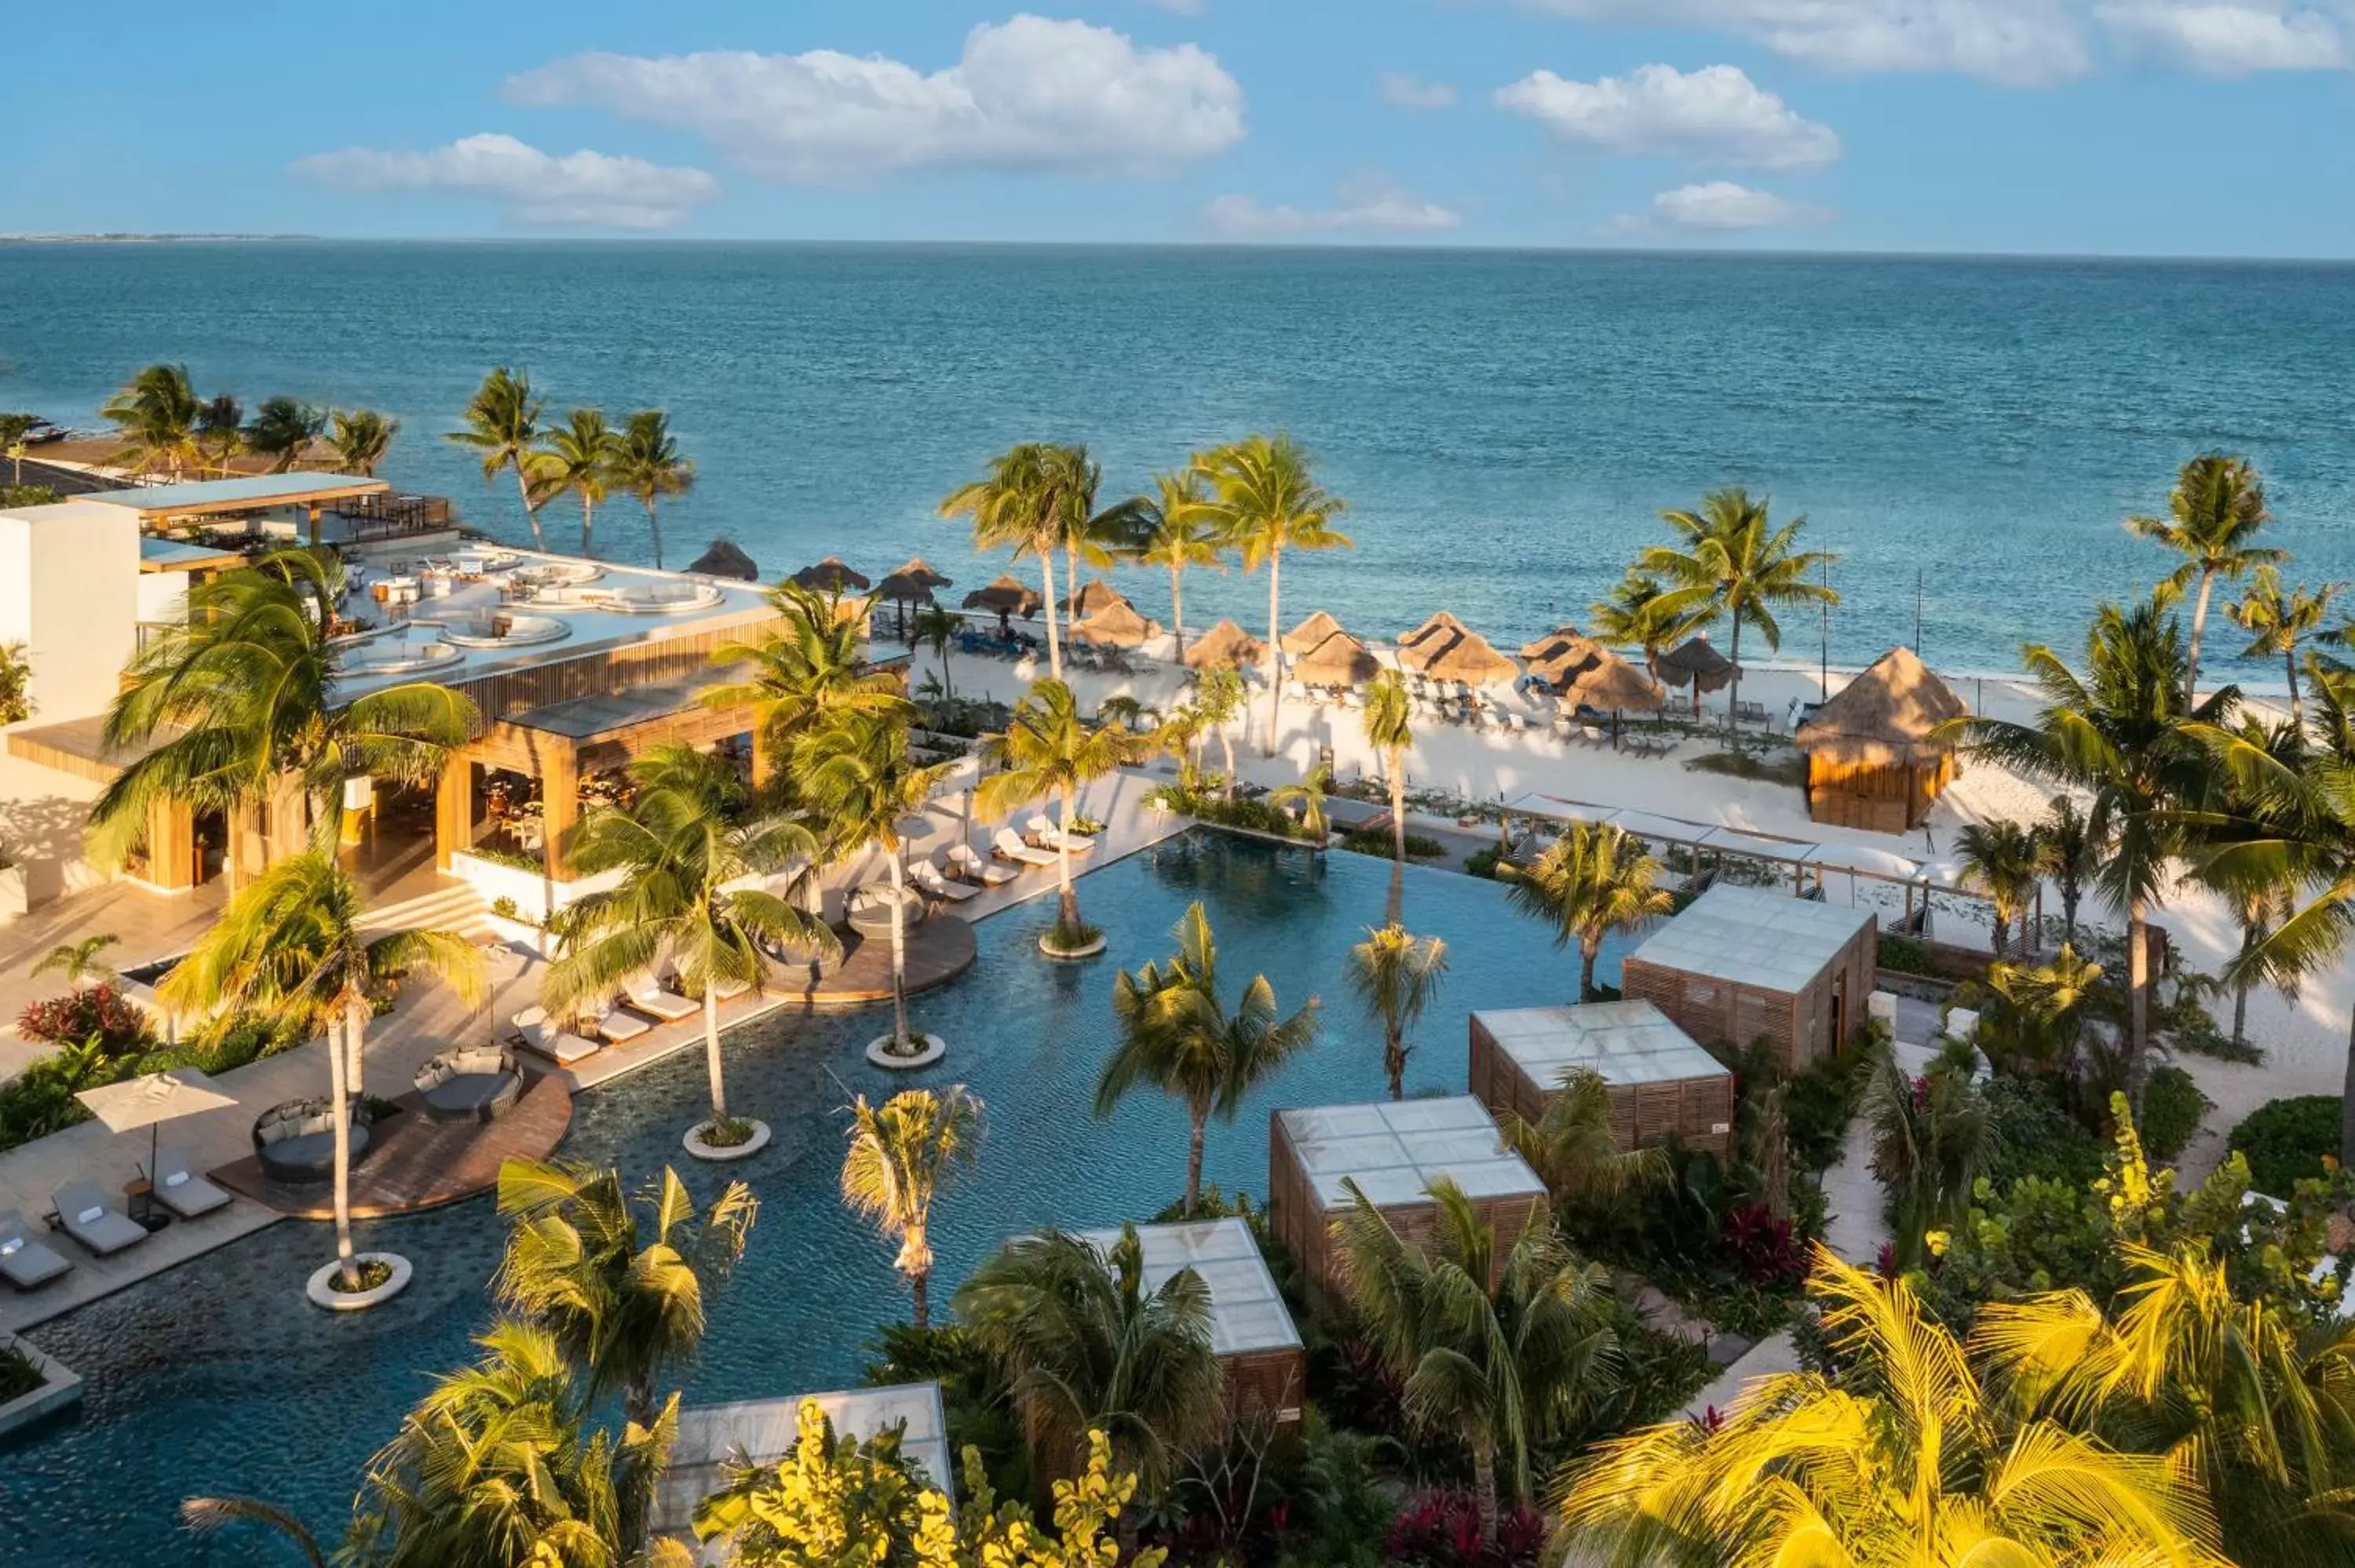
x=931, y=882
x=964, y=863
x=179, y=1188
x=647, y=996
x=616, y=1024
x=1008, y=846
x=1043, y=831
x=83, y=1214
x=560, y=1047
x=27, y=1261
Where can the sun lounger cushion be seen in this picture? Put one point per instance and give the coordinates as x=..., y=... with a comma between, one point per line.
x=559, y=1045
x=1046, y=835
x=87, y=1219
x=181, y=1190
x=25, y=1261
x=965, y=863
x=647, y=997
x=617, y=1025
x=1008, y=847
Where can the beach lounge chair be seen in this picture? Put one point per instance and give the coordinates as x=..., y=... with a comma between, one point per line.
x=963, y=861
x=27, y=1261
x=1006, y=846
x=648, y=997
x=616, y=1024
x=179, y=1188
x=933, y=885
x=561, y=1046
x=83, y=1214
x=1043, y=831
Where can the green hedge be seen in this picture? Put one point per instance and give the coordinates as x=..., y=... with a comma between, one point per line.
x=2285, y=1141
x=2172, y=1106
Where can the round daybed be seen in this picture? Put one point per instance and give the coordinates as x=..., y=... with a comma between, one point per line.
x=295, y=1141
x=478, y=1084
x=870, y=909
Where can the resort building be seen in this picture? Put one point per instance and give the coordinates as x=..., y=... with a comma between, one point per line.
x=1742, y=965
x=1258, y=1346
x=1874, y=759
x=1393, y=1151
x=1660, y=1084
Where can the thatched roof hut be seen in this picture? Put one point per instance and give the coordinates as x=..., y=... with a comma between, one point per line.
x=1603, y=680
x=1339, y=661
x=910, y=584
x=724, y=560
x=1440, y=625
x=1694, y=662
x=1454, y=652
x=1309, y=633
x=1116, y=625
x=1097, y=595
x=1538, y=648
x=1004, y=598
x=1225, y=643
x=830, y=575
x=1874, y=756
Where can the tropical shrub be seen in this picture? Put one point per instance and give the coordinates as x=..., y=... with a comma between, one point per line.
x=18, y=1375
x=97, y=1012
x=1904, y=954
x=2172, y=1106
x=2034, y=1134
x=1442, y=1530
x=1482, y=863
x=2288, y=1141
x=1376, y=842
x=1765, y=1249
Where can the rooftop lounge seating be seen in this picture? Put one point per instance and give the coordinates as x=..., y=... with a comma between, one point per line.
x=561, y=1046
x=964, y=861
x=477, y=1083
x=646, y=994
x=1006, y=846
x=295, y=1139
x=27, y=1261
x=84, y=1214
x=179, y=1188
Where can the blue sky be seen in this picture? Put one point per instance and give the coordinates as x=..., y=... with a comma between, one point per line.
x=2152, y=127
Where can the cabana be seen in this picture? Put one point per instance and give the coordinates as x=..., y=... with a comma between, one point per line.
x=762, y=1432
x=1660, y=1084
x=1339, y=660
x=1305, y=637
x=1225, y=643
x=1874, y=760
x=1740, y=965
x=1393, y=1149
x=1252, y=1331
x=1694, y=662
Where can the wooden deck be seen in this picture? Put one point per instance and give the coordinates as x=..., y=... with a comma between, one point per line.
x=939, y=950
x=421, y=1163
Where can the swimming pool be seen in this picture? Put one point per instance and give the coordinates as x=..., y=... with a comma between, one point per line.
x=218, y=1377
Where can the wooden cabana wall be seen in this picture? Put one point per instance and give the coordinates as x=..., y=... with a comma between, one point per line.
x=1877, y=754
x=1881, y=798
x=1739, y=966
x=1659, y=1082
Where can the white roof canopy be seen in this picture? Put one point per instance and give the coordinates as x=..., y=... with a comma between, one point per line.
x=1247, y=1311
x=1395, y=1150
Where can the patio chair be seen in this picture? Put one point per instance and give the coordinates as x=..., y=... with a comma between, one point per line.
x=561, y=1046
x=647, y=995
x=26, y=1262
x=963, y=861
x=179, y=1188
x=617, y=1024
x=1006, y=846
x=83, y=1213
x=933, y=885
x=1041, y=831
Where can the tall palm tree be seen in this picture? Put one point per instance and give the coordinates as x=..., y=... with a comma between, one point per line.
x=859, y=779
x=1396, y=974
x=80, y=962
x=503, y=426
x=2123, y=735
x=2033, y=1020
x=646, y=463
x=1089, y=537
x=902, y=1155
x=1728, y=559
x=1999, y=860
x=1502, y=1355
x=2213, y=516
x=1177, y=532
x=282, y=430
x=1016, y=507
x=619, y=1279
x=804, y=671
x=2277, y=618
x=2070, y=853
x=246, y=695
x=361, y=437
x=1177, y=1034
x=1264, y=500
x=2249, y=810
x=1593, y=881
x=1048, y=749
x=220, y=431
x=1639, y=614
x=158, y=414
x=1929, y=1136
x=1219, y=701
x=290, y=948
x=1086, y=1346
x=578, y=456
x=1573, y=1149
x=1906, y=1456
x=935, y=627
x=688, y=850
x=1389, y=720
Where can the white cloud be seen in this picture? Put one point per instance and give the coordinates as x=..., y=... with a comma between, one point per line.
x=1401, y=90
x=1721, y=206
x=581, y=189
x=1379, y=208
x=2226, y=40
x=2019, y=43
x=1028, y=93
x=1716, y=116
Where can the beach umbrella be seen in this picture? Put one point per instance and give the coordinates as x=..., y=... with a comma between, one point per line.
x=1602, y=680
x=1116, y=625
x=830, y=575
x=910, y=584
x=152, y=1099
x=1225, y=643
x=1340, y=659
x=1440, y=626
x=1311, y=633
x=1005, y=598
x=725, y=560
x=1444, y=649
x=1097, y=595
x=1543, y=648
x=1693, y=662
x=1560, y=653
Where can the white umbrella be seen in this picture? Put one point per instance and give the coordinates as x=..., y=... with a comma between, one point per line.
x=152, y=1099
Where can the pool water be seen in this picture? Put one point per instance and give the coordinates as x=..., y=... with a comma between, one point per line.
x=218, y=1377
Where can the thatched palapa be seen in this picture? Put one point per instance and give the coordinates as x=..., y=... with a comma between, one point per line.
x=830, y=575
x=1606, y=680
x=1539, y=648
x=1097, y=595
x=1339, y=661
x=1874, y=756
x=1454, y=652
x=911, y=583
x=1696, y=663
x=1225, y=643
x=1006, y=596
x=1116, y=625
x=1305, y=636
x=725, y=559
x=1440, y=625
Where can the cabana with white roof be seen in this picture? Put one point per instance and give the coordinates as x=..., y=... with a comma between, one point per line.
x=1660, y=1084
x=1258, y=1346
x=1740, y=965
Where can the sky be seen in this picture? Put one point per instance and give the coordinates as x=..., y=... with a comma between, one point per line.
x=2076, y=127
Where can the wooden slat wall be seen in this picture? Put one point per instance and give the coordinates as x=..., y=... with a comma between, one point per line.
x=1686, y=1109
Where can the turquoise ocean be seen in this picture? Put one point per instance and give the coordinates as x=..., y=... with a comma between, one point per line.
x=1504, y=425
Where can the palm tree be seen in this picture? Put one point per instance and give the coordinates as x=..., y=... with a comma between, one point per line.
x=220, y=431
x=361, y=436
x=13, y=430
x=1264, y=500
x=618, y=1279
x=282, y=430
x=2070, y=853
x=1176, y=531
x=2123, y=737
x=1097, y=538
x=2035, y=1017
x=686, y=850
x=157, y=414
x=646, y=463
x=1219, y=701
x=1048, y=749
x=579, y=457
x=901, y=1158
x=807, y=670
x=935, y=627
x=1085, y=1346
x=2216, y=510
x=1178, y=1035
x=1396, y=974
x=1730, y=560
x=1905, y=1457
x=1389, y=720
x=502, y=426
x=290, y=948
x=1309, y=796
x=247, y=692
x=80, y=962
x=1015, y=507
x=1571, y=1148
x=1638, y=614
x=1929, y=1136
x=2277, y=619
x=1502, y=1355
x=1593, y=881
x=858, y=780
x=1999, y=861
